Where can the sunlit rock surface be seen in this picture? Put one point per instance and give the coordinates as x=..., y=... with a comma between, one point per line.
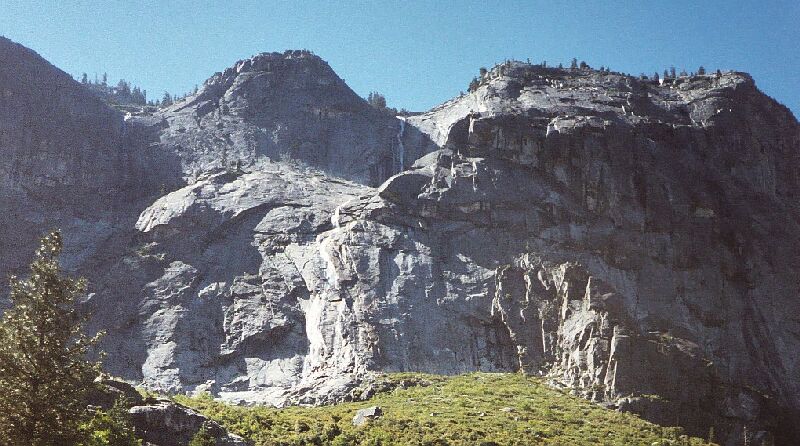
x=274, y=239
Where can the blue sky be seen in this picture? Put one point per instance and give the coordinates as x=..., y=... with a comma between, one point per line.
x=417, y=53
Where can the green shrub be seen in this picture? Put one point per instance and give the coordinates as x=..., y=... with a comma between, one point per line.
x=203, y=438
x=111, y=428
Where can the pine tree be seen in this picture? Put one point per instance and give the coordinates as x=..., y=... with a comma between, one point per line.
x=166, y=100
x=44, y=371
x=123, y=91
x=138, y=96
x=574, y=64
x=377, y=100
x=473, y=85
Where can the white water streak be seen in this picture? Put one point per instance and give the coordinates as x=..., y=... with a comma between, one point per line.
x=401, y=148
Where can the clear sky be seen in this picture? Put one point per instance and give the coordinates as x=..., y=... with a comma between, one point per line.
x=417, y=53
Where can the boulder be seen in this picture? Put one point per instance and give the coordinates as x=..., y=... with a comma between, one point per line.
x=166, y=423
x=108, y=391
x=367, y=414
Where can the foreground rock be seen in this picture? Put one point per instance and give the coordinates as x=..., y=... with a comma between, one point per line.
x=109, y=391
x=166, y=423
x=158, y=422
x=365, y=415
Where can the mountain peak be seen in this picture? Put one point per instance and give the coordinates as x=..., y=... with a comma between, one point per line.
x=303, y=68
x=288, y=105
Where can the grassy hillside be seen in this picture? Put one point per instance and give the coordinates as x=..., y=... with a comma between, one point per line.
x=476, y=409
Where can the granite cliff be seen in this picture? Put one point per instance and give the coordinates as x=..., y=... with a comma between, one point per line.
x=274, y=239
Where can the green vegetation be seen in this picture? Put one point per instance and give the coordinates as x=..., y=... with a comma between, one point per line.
x=111, y=428
x=476, y=409
x=203, y=438
x=473, y=85
x=377, y=100
x=45, y=375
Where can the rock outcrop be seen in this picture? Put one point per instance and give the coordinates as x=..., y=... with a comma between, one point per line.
x=636, y=242
x=220, y=301
x=363, y=416
x=288, y=106
x=157, y=421
x=165, y=423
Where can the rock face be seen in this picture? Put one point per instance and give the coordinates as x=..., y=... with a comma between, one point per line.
x=636, y=242
x=221, y=302
x=49, y=126
x=68, y=161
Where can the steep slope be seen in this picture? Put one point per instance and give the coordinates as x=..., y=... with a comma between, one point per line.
x=67, y=161
x=50, y=126
x=636, y=242
x=208, y=293
x=190, y=290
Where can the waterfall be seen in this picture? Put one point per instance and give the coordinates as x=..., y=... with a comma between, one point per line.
x=475, y=176
x=401, y=148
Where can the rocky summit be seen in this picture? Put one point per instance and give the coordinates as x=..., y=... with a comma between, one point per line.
x=281, y=107
x=275, y=239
